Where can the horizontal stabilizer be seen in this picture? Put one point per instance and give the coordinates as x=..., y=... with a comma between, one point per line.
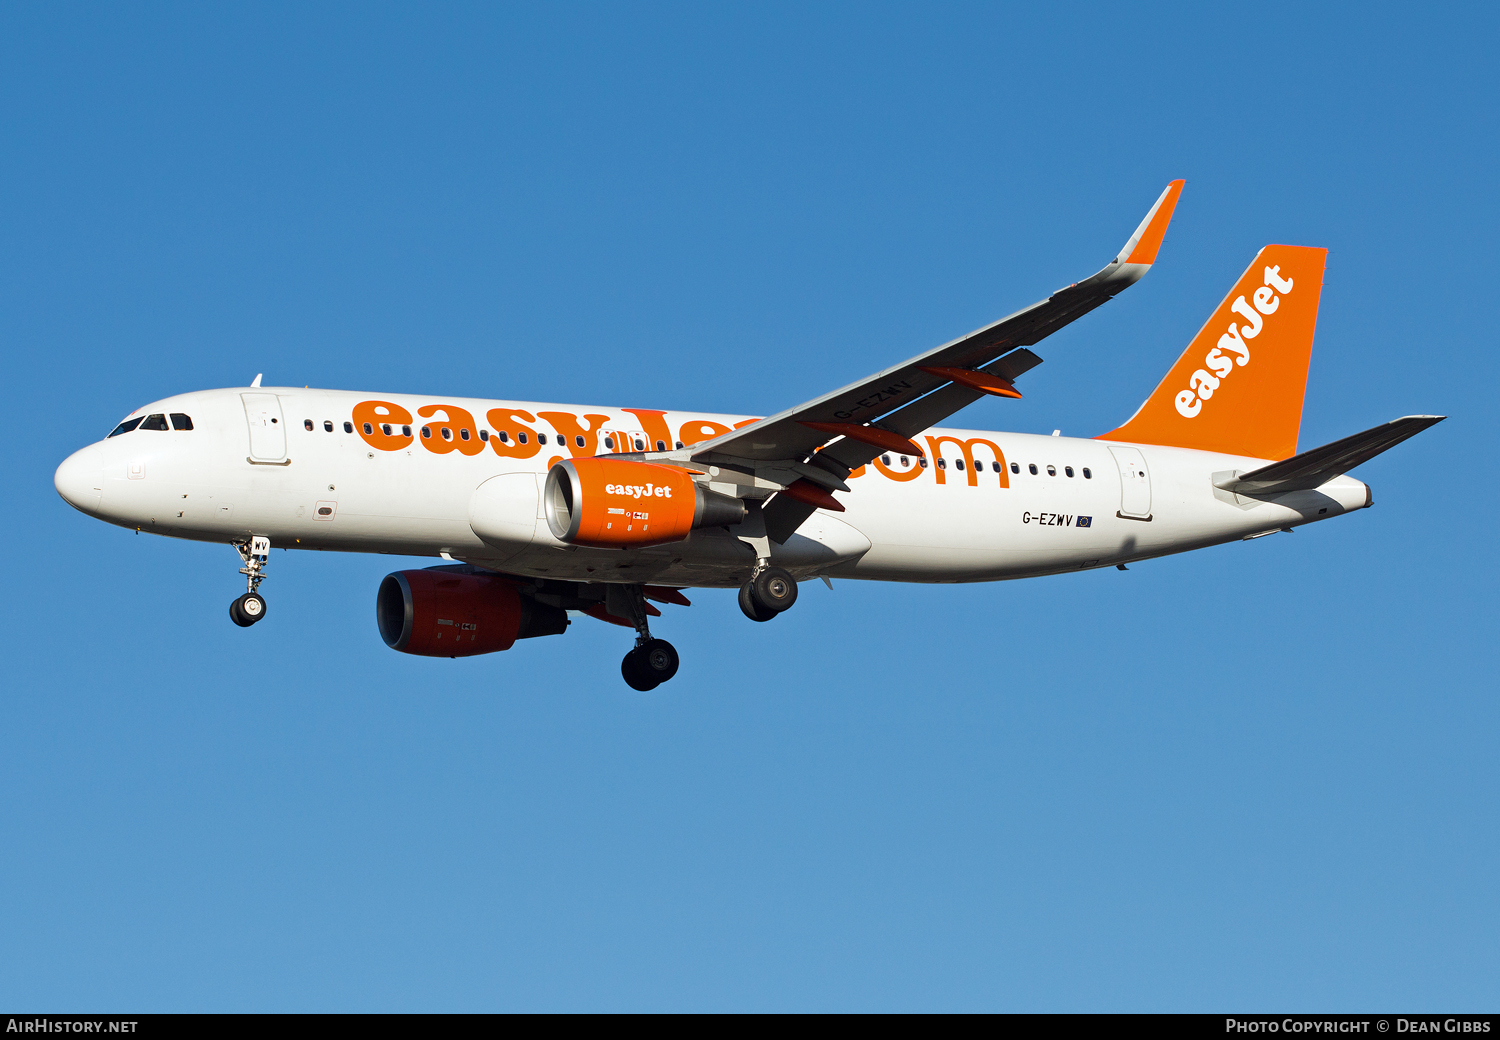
x=1314, y=468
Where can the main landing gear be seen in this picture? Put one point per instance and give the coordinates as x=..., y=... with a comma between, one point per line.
x=251, y=607
x=653, y=661
x=769, y=592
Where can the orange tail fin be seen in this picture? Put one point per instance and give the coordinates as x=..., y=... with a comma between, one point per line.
x=1238, y=387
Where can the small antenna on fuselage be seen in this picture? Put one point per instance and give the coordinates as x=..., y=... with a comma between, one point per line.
x=256, y=383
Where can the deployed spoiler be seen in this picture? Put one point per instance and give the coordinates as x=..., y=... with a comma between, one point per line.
x=1314, y=468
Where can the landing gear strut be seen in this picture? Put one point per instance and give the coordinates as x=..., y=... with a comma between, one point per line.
x=769, y=592
x=653, y=661
x=251, y=607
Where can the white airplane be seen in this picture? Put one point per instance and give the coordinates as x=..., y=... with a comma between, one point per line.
x=547, y=509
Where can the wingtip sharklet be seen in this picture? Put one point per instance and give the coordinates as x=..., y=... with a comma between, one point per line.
x=1146, y=242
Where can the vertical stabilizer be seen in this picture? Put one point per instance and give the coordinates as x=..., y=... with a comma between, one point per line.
x=1238, y=387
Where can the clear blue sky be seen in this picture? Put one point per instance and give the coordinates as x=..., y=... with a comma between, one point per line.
x=1261, y=776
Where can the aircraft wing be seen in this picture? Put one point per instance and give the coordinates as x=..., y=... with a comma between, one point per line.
x=880, y=412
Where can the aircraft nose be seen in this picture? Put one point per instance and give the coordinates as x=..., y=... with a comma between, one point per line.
x=80, y=479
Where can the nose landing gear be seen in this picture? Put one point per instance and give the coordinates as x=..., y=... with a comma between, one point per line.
x=653, y=661
x=771, y=591
x=251, y=607
x=247, y=610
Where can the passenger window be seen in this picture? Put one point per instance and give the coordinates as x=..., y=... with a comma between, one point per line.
x=661, y=445
x=541, y=438
x=385, y=428
x=369, y=430
x=504, y=437
x=679, y=445
x=348, y=427
x=1086, y=474
x=406, y=431
x=463, y=434
x=125, y=427
x=181, y=422
x=427, y=433
x=1068, y=470
x=1051, y=471
x=922, y=463
x=609, y=442
x=640, y=445
x=484, y=435
x=522, y=438
x=327, y=426
x=885, y=460
x=1015, y=467
x=1032, y=467
x=447, y=433
x=905, y=461
x=942, y=463
x=307, y=425
x=578, y=439
x=155, y=422
x=958, y=464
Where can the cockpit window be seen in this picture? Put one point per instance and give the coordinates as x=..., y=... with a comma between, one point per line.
x=155, y=422
x=181, y=422
x=125, y=427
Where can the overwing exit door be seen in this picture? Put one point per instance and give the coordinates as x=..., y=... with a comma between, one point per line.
x=267, y=430
x=1135, y=483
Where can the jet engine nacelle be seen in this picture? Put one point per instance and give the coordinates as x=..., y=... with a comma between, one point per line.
x=619, y=504
x=447, y=612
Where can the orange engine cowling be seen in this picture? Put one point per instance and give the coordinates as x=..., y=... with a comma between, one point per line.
x=622, y=504
x=453, y=612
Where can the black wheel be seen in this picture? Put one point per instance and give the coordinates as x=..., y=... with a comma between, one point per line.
x=248, y=609
x=658, y=660
x=649, y=665
x=747, y=604
x=633, y=670
x=773, y=589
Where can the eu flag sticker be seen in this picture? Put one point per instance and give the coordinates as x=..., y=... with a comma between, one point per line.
x=1084, y=521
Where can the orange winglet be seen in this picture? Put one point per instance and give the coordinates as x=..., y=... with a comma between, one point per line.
x=1156, y=228
x=662, y=594
x=871, y=435
x=598, y=611
x=981, y=381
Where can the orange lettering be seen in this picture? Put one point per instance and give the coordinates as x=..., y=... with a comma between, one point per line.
x=456, y=431
x=511, y=447
x=371, y=418
x=655, y=427
x=568, y=430
x=700, y=430
x=897, y=475
x=935, y=445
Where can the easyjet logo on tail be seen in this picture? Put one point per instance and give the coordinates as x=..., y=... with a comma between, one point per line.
x=1233, y=348
x=1259, y=339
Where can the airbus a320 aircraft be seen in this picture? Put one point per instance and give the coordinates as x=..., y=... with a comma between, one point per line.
x=547, y=509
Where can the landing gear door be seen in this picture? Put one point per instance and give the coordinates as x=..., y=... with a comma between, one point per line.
x=1135, y=483
x=267, y=427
